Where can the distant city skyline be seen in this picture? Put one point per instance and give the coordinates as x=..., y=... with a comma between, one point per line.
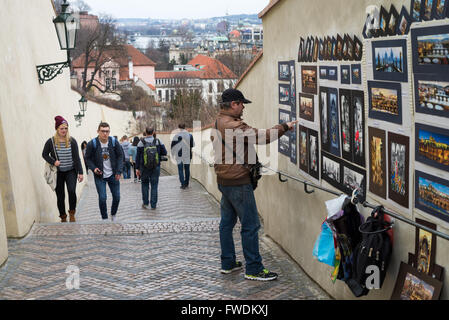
x=175, y=9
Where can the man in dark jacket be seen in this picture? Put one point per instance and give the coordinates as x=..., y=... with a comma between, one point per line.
x=181, y=148
x=147, y=175
x=104, y=157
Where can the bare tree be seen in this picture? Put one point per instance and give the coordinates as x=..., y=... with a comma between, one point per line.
x=76, y=6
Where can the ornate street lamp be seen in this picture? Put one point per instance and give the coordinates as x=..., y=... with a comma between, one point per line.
x=66, y=26
x=83, y=104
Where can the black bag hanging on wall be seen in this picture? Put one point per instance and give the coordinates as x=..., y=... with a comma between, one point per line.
x=374, y=250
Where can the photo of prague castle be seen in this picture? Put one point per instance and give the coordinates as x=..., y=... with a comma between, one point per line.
x=433, y=49
x=434, y=95
x=434, y=196
x=385, y=100
x=434, y=147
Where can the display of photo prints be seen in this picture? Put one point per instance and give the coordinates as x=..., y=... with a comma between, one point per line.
x=331, y=169
x=398, y=168
x=385, y=101
x=432, y=94
x=432, y=195
x=353, y=178
x=432, y=146
x=345, y=74
x=440, y=8
x=284, y=71
x=309, y=79
x=284, y=141
x=284, y=94
x=390, y=60
x=430, y=50
x=334, y=122
x=393, y=22
x=346, y=124
x=405, y=21
x=323, y=73
x=314, y=154
x=356, y=73
x=306, y=107
x=384, y=18
x=377, y=162
x=425, y=247
x=303, y=149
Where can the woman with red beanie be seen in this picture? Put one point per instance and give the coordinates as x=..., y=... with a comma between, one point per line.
x=61, y=150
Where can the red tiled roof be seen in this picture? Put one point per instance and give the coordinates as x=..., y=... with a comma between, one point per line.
x=177, y=74
x=268, y=8
x=151, y=86
x=124, y=74
x=211, y=68
x=251, y=65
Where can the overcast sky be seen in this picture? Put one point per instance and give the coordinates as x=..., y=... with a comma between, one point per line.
x=175, y=9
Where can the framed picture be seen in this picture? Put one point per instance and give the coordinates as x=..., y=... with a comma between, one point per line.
x=284, y=116
x=345, y=74
x=439, y=10
x=334, y=49
x=284, y=141
x=303, y=149
x=323, y=72
x=322, y=49
x=432, y=94
x=346, y=124
x=324, y=118
x=332, y=73
x=309, y=79
x=339, y=51
x=334, y=122
x=316, y=47
x=385, y=101
x=430, y=49
x=356, y=73
x=292, y=85
x=393, y=22
x=414, y=285
x=314, y=154
x=329, y=49
x=404, y=22
x=350, y=42
x=390, y=60
x=293, y=140
x=416, y=9
x=283, y=71
x=384, y=19
x=331, y=169
x=307, y=51
x=427, y=9
x=306, y=107
x=432, y=195
x=358, y=47
x=353, y=178
x=425, y=247
x=345, y=47
x=398, y=168
x=358, y=134
x=371, y=32
x=301, y=50
x=284, y=94
x=432, y=146
x=377, y=162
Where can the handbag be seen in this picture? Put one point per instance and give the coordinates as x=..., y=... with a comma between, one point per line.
x=51, y=171
x=324, y=249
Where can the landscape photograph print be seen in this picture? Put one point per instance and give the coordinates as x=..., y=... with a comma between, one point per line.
x=398, y=166
x=334, y=122
x=314, y=154
x=309, y=79
x=284, y=94
x=306, y=107
x=346, y=124
x=390, y=60
x=358, y=134
x=303, y=150
x=432, y=146
x=331, y=169
x=432, y=95
x=439, y=10
x=405, y=22
x=284, y=71
x=377, y=162
x=416, y=8
x=385, y=101
x=354, y=178
x=432, y=195
x=324, y=118
x=430, y=50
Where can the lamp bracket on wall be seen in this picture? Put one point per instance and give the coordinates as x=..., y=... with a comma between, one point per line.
x=48, y=72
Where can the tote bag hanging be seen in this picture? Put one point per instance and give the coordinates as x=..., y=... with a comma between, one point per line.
x=51, y=171
x=324, y=249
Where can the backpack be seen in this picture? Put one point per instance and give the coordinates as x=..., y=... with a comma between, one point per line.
x=373, y=250
x=151, y=155
x=94, y=142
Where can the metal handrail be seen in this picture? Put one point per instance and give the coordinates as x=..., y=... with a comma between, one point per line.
x=364, y=203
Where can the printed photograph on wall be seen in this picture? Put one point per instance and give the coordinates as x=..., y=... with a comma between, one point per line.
x=307, y=50
x=432, y=94
x=331, y=169
x=324, y=116
x=292, y=85
x=346, y=125
x=426, y=10
x=323, y=73
x=439, y=9
x=398, y=168
x=430, y=50
x=432, y=195
x=309, y=79
x=404, y=23
x=306, y=107
x=284, y=71
x=284, y=94
x=414, y=285
x=377, y=162
x=334, y=49
x=334, y=122
x=345, y=74
x=354, y=178
x=301, y=50
x=316, y=48
x=356, y=73
x=425, y=247
x=284, y=141
x=339, y=52
x=384, y=18
x=303, y=151
x=312, y=47
x=314, y=154
x=385, y=101
x=328, y=48
x=332, y=73
x=392, y=24
x=358, y=112
x=321, y=54
x=432, y=146
x=358, y=47
x=415, y=7
x=390, y=60
x=350, y=42
x=345, y=47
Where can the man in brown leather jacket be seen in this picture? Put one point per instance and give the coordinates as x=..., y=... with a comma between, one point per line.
x=233, y=142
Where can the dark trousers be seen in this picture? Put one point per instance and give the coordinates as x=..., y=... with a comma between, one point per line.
x=150, y=178
x=114, y=186
x=66, y=178
x=184, y=178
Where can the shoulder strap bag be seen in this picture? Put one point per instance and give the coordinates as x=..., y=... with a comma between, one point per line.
x=51, y=171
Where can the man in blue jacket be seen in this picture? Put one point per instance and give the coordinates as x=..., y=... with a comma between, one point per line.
x=145, y=170
x=105, y=157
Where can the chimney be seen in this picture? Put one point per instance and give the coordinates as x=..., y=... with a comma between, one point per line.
x=130, y=68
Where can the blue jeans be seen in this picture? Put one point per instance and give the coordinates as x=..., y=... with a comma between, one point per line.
x=239, y=201
x=151, y=178
x=181, y=168
x=114, y=186
x=127, y=170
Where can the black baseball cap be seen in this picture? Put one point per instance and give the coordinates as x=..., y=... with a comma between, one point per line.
x=230, y=95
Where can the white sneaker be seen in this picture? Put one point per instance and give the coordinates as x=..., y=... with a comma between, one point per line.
x=113, y=218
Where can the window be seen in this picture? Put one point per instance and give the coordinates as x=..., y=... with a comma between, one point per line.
x=159, y=93
x=114, y=85
x=211, y=88
x=108, y=83
x=166, y=95
x=113, y=73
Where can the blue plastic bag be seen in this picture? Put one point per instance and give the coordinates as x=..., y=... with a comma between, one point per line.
x=324, y=249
